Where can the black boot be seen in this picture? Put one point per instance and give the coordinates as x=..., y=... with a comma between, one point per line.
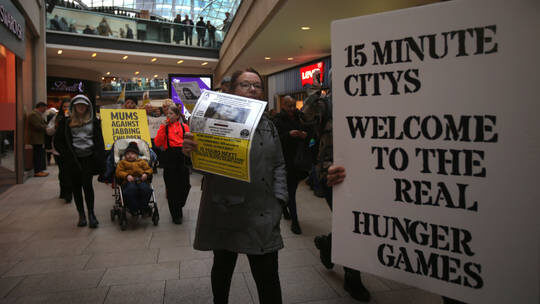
x=178, y=220
x=82, y=220
x=295, y=227
x=354, y=286
x=286, y=214
x=324, y=244
x=93, y=220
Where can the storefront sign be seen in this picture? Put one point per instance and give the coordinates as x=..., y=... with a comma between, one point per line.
x=12, y=30
x=436, y=123
x=306, y=73
x=66, y=85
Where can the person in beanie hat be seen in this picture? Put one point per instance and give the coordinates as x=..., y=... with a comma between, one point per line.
x=134, y=173
x=79, y=141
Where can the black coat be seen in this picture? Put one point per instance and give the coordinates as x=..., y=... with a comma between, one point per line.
x=63, y=143
x=289, y=144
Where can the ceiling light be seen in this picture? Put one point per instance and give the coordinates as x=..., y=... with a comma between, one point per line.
x=108, y=73
x=180, y=61
x=102, y=78
x=154, y=59
x=59, y=52
x=290, y=58
x=204, y=63
x=267, y=58
x=125, y=57
x=114, y=78
x=94, y=55
x=305, y=28
x=155, y=76
x=137, y=73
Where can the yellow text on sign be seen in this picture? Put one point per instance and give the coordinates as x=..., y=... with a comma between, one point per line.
x=222, y=155
x=121, y=123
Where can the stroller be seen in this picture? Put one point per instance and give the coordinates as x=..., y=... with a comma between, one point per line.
x=119, y=209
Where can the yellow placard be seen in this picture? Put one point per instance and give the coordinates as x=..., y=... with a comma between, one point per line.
x=121, y=123
x=222, y=155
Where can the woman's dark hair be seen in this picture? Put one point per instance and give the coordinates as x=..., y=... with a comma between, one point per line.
x=65, y=100
x=235, y=75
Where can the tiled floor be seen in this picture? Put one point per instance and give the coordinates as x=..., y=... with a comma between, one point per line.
x=45, y=258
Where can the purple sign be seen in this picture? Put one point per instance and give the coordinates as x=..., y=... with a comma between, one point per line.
x=185, y=91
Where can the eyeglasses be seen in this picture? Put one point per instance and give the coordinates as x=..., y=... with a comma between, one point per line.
x=246, y=85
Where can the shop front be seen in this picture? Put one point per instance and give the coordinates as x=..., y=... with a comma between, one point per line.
x=21, y=84
x=295, y=81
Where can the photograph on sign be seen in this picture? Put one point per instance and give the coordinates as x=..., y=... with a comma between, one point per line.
x=223, y=126
x=435, y=122
x=185, y=89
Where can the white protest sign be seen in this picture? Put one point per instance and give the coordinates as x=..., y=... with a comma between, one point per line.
x=435, y=119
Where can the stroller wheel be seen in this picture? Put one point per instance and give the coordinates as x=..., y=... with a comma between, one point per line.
x=113, y=215
x=155, y=217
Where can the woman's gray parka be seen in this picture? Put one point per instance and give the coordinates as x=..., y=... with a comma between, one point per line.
x=244, y=217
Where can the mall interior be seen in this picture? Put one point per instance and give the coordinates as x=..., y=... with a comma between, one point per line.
x=56, y=49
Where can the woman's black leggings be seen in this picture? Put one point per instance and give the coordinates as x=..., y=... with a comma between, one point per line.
x=177, y=185
x=81, y=180
x=264, y=269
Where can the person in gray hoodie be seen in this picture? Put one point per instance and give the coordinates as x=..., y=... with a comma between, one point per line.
x=80, y=142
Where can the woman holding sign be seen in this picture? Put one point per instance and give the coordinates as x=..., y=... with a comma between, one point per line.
x=238, y=217
x=79, y=141
x=170, y=137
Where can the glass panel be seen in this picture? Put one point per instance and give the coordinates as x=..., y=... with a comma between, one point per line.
x=8, y=113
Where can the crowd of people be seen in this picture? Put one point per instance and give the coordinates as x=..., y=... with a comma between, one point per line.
x=206, y=31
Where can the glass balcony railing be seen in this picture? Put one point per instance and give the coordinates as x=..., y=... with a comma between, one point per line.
x=133, y=84
x=123, y=27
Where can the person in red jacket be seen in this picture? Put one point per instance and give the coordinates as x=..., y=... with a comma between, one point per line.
x=170, y=137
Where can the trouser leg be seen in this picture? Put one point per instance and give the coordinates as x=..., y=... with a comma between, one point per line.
x=145, y=192
x=171, y=179
x=76, y=182
x=222, y=272
x=292, y=185
x=88, y=192
x=39, y=158
x=264, y=269
x=129, y=192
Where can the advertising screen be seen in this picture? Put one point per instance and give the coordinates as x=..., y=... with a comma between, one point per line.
x=186, y=89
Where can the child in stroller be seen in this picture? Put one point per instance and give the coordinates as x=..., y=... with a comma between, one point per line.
x=134, y=174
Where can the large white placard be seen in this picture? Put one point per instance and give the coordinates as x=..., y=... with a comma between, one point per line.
x=435, y=119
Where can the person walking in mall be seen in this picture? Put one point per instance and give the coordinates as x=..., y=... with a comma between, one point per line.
x=238, y=217
x=80, y=143
x=170, y=137
x=178, y=34
x=211, y=34
x=188, y=29
x=292, y=135
x=37, y=138
x=201, y=31
x=63, y=180
x=226, y=23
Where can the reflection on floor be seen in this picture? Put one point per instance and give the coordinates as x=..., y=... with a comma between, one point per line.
x=45, y=258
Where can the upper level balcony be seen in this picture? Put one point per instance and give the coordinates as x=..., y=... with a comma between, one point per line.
x=85, y=28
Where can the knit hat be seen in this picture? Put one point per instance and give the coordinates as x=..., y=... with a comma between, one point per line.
x=132, y=146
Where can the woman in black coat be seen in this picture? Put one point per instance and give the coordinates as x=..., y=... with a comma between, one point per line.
x=80, y=143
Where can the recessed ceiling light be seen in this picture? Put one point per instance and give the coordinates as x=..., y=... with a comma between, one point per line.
x=154, y=59
x=102, y=78
x=290, y=58
x=59, y=52
x=108, y=73
x=305, y=28
x=94, y=55
x=155, y=76
x=137, y=73
x=114, y=78
x=267, y=58
x=125, y=57
x=180, y=61
x=204, y=63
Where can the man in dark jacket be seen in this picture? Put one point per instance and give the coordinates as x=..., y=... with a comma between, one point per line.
x=201, y=32
x=37, y=138
x=211, y=34
x=292, y=136
x=188, y=29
